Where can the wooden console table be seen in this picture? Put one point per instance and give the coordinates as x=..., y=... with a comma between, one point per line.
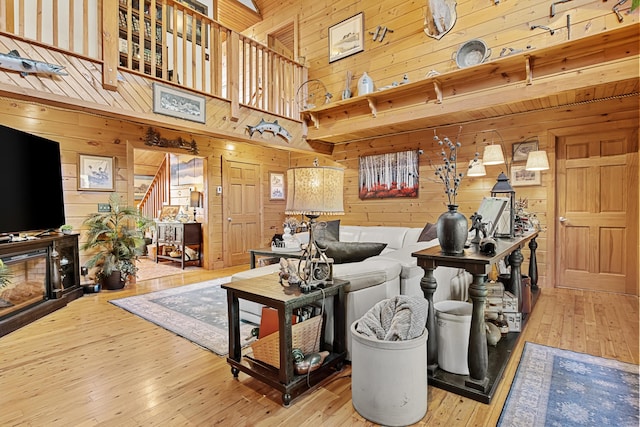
x=180, y=236
x=483, y=376
x=268, y=291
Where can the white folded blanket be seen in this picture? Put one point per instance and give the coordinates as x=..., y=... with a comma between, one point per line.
x=402, y=317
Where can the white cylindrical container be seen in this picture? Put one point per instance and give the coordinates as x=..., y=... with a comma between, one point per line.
x=365, y=84
x=453, y=320
x=389, y=378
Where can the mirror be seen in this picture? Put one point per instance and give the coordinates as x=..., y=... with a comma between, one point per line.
x=439, y=17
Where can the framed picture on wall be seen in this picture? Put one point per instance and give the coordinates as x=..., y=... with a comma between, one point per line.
x=389, y=175
x=96, y=173
x=521, y=150
x=346, y=37
x=178, y=103
x=276, y=186
x=521, y=177
x=141, y=184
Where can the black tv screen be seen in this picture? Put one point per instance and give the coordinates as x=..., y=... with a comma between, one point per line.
x=30, y=183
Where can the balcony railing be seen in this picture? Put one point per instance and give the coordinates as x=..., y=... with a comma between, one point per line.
x=164, y=40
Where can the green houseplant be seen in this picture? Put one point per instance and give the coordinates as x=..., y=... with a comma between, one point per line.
x=114, y=241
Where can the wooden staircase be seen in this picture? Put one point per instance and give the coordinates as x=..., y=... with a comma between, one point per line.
x=158, y=192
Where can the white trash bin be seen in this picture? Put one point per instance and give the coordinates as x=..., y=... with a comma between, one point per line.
x=453, y=319
x=389, y=378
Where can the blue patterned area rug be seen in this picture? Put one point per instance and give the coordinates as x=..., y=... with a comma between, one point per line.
x=196, y=312
x=555, y=387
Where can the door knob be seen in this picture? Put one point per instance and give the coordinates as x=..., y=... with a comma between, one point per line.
x=229, y=219
x=563, y=219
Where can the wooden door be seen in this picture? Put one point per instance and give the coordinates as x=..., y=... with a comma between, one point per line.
x=597, y=210
x=242, y=207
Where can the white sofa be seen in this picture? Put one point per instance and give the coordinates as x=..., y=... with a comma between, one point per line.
x=374, y=279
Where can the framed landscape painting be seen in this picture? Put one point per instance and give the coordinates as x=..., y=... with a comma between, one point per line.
x=178, y=103
x=346, y=37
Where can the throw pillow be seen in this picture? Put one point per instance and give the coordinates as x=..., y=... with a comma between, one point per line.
x=327, y=231
x=429, y=232
x=343, y=252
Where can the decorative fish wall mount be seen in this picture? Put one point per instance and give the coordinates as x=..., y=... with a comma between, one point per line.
x=272, y=127
x=13, y=61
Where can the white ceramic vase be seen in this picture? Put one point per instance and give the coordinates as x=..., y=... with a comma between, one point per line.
x=365, y=84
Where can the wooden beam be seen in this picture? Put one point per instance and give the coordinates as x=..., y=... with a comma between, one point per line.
x=110, y=54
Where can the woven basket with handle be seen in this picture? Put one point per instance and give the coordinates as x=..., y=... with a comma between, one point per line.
x=304, y=335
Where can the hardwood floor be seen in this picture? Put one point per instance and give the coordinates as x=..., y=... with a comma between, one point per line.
x=92, y=363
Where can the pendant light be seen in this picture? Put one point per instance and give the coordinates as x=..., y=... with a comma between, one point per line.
x=493, y=155
x=537, y=161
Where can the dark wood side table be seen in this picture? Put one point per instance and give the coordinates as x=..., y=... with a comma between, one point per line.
x=481, y=381
x=268, y=291
x=268, y=252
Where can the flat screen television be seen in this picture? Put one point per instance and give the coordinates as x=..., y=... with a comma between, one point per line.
x=30, y=183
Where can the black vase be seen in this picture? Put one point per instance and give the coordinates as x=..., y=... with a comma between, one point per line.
x=452, y=231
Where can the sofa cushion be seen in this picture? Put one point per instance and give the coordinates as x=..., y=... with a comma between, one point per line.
x=327, y=231
x=367, y=273
x=429, y=232
x=342, y=252
x=392, y=236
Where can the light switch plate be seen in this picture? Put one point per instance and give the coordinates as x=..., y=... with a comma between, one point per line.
x=219, y=190
x=104, y=207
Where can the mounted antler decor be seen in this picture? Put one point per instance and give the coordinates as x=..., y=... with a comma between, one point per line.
x=154, y=139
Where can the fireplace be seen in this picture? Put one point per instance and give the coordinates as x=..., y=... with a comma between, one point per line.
x=28, y=284
x=45, y=276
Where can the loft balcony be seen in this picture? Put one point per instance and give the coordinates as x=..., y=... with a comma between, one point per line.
x=114, y=51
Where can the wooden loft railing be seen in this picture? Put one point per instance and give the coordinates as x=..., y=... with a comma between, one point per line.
x=165, y=40
x=158, y=191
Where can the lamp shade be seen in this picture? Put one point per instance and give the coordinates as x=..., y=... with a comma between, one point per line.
x=315, y=191
x=493, y=155
x=537, y=161
x=476, y=168
x=194, y=199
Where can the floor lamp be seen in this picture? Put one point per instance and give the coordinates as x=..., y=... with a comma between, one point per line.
x=313, y=191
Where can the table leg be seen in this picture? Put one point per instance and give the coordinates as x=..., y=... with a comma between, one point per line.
x=286, y=343
x=478, y=355
x=338, y=322
x=515, y=261
x=429, y=284
x=533, y=264
x=252, y=262
x=233, y=313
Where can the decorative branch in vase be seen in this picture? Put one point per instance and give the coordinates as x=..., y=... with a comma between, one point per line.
x=452, y=225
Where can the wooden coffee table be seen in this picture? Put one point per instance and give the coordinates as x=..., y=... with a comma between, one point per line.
x=268, y=291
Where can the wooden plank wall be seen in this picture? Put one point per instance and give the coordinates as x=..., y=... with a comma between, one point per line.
x=85, y=133
x=409, y=51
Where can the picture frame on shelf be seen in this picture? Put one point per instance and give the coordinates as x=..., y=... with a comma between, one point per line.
x=521, y=150
x=178, y=103
x=96, y=173
x=493, y=210
x=521, y=177
x=346, y=37
x=276, y=185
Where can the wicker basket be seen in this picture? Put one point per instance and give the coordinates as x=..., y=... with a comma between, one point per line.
x=305, y=336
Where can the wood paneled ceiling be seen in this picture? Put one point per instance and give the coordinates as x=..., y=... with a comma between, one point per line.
x=236, y=16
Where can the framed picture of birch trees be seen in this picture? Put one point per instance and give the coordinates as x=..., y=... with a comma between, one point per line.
x=389, y=175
